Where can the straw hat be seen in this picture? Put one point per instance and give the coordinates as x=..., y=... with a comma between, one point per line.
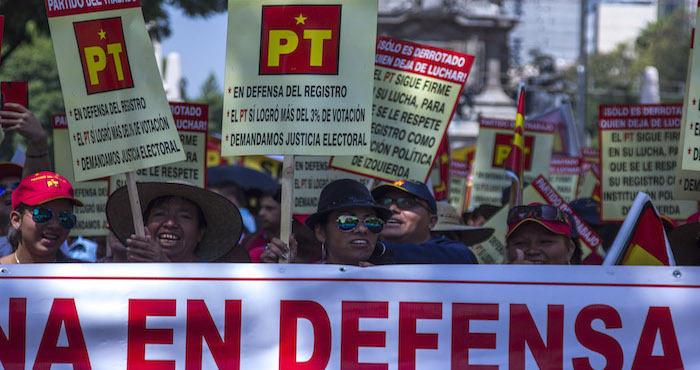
x=450, y=220
x=224, y=224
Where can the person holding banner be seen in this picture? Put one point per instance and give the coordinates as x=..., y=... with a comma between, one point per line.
x=183, y=223
x=42, y=216
x=347, y=222
x=539, y=234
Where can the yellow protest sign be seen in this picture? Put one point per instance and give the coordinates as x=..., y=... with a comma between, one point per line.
x=492, y=148
x=192, y=122
x=459, y=173
x=690, y=144
x=92, y=220
x=416, y=88
x=118, y=116
x=564, y=175
x=311, y=175
x=296, y=84
x=640, y=148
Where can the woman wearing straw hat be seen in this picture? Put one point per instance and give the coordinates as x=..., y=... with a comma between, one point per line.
x=184, y=223
x=347, y=223
x=42, y=216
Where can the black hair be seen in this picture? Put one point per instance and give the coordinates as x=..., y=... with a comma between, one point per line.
x=276, y=195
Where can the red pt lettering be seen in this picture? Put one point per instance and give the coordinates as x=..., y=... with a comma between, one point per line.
x=63, y=313
x=200, y=326
x=12, y=349
x=658, y=320
x=597, y=341
x=409, y=340
x=523, y=330
x=352, y=338
x=139, y=336
x=290, y=311
x=463, y=339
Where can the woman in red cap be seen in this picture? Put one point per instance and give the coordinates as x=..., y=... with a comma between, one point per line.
x=539, y=234
x=42, y=216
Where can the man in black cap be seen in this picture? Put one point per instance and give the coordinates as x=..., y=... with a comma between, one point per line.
x=407, y=233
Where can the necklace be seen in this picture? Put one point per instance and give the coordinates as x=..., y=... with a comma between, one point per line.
x=16, y=259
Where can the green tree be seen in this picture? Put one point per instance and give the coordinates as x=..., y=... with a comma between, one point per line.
x=34, y=62
x=19, y=13
x=211, y=93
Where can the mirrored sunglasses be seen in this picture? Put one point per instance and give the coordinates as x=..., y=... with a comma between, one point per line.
x=541, y=212
x=348, y=223
x=42, y=215
x=9, y=188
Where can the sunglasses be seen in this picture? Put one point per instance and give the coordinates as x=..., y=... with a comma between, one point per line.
x=348, y=223
x=42, y=215
x=402, y=203
x=542, y=212
x=8, y=187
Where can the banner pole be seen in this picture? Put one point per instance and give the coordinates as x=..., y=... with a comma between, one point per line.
x=287, y=197
x=135, y=204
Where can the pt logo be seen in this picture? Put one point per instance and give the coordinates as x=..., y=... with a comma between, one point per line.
x=301, y=39
x=103, y=55
x=502, y=149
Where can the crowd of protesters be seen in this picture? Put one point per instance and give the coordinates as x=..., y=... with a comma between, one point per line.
x=394, y=223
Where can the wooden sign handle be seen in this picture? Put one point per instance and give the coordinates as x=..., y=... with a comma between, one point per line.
x=135, y=204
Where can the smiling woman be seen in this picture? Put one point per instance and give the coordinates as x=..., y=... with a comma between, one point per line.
x=184, y=223
x=42, y=216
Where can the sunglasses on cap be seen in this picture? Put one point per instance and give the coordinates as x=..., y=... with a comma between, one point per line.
x=42, y=215
x=542, y=212
x=402, y=203
x=348, y=223
x=8, y=188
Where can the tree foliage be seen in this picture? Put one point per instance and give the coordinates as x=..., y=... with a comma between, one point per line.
x=212, y=94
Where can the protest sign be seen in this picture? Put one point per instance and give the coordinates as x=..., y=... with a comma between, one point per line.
x=640, y=146
x=589, y=183
x=92, y=219
x=264, y=164
x=118, y=115
x=296, y=84
x=690, y=145
x=459, y=173
x=192, y=123
x=591, y=155
x=322, y=317
x=566, y=140
x=214, y=157
x=311, y=175
x=416, y=88
x=539, y=191
x=440, y=173
x=564, y=175
x=492, y=148
x=687, y=185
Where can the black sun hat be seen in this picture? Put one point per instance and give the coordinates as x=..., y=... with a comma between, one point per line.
x=345, y=193
x=224, y=223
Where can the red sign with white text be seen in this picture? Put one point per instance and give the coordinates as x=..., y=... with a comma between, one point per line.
x=59, y=8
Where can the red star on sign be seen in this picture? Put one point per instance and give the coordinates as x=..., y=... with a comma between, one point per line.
x=694, y=101
x=226, y=137
x=70, y=112
x=227, y=113
x=229, y=90
x=77, y=162
x=688, y=150
x=73, y=137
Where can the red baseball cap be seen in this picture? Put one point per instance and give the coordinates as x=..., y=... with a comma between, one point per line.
x=557, y=227
x=43, y=187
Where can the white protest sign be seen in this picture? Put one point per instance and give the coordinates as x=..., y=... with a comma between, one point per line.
x=92, y=219
x=640, y=148
x=492, y=148
x=113, y=316
x=118, y=116
x=564, y=175
x=192, y=122
x=311, y=175
x=296, y=84
x=416, y=88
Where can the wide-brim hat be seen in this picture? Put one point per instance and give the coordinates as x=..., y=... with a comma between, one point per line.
x=684, y=244
x=224, y=223
x=345, y=193
x=449, y=220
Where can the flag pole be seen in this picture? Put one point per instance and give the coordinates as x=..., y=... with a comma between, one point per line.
x=515, y=162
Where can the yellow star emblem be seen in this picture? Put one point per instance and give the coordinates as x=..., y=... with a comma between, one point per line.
x=301, y=19
x=102, y=34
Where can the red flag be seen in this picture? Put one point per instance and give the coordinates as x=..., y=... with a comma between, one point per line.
x=2, y=26
x=642, y=239
x=515, y=162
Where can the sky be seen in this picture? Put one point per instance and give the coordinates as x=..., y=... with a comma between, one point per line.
x=201, y=43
